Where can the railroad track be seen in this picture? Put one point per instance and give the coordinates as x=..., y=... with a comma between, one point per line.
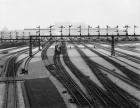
x=2, y=74
x=58, y=71
x=9, y=71
x=123, y=62
x=77, y=94
x=10, y=49
x=122, y=54
x=43, y=54
x=10, y=97
x=112, y=72
x=121, y=97
x=134, y=77
x=7, y=55
x=129, y=49
x=98, y=96
x=28, y=60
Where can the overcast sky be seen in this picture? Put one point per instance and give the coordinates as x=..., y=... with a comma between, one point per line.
x=20, y=14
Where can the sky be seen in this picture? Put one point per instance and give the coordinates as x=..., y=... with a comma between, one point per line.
x=20, y=14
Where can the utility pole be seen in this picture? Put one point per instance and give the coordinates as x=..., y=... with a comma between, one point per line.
x=61, y=30
x=112, y=46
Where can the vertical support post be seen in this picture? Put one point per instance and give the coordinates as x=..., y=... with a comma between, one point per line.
x=107, y=27
x=61, y=30
x=1, y=36
x=98, y=27
x=126, y=30
x=30, y=46
x=39, y=38
x=88, y=30
x=36, y=36
x=23, y=37
x=69, y=30
x=10, y=36
x=61, y=33
x=79, y=31
x=135, y=32
x=112, y=46
x=117, y=27
x=51, y=31
x=16, y=36
x=98, y=34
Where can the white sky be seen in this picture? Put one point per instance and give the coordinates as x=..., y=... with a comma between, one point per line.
x=20, y=14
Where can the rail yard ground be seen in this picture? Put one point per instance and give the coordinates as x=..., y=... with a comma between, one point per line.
x=83, y=75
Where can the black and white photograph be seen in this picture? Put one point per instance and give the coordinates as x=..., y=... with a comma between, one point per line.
x=69, y=53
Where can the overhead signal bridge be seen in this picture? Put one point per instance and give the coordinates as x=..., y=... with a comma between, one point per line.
x=38, y=37
x=74, y=36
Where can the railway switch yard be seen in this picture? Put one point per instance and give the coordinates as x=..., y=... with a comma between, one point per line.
x=71, y=72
